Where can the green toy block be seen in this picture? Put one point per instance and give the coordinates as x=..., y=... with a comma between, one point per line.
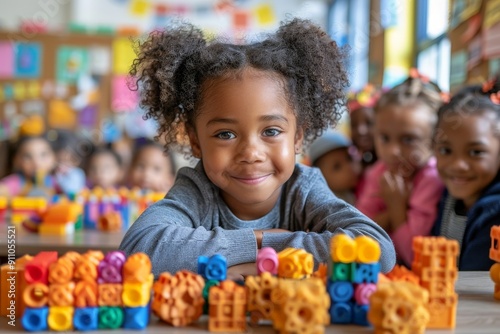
x=110, y=317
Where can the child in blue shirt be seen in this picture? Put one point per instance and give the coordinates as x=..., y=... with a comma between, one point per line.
x=246, y=111
x=467, y=147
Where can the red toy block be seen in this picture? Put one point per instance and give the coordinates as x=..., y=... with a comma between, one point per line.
x=37, y=270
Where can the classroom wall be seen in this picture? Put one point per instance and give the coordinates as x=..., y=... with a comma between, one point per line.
x=53, y=13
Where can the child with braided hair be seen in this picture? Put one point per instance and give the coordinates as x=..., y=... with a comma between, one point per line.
x=246, y=111
x=467, y=148
x=402, y=189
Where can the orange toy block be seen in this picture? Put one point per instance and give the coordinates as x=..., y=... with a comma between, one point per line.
x=227, y=310
x=62, y=213
x=86, y=269
x=137, y=268
x=259, y=290
x=74, y=257
x=300, y=306
x=399, y=307
x=295, y=263
x=178, y=300
x=434, y=252
x=12, y=283
x=36, y=295
x=401, y=273
x=85, y=293
x=110, y=221
x=109, y=294
x=321, y=273
x=495, y=243
x=37, y=270
x=61, y=271
x=61, y=294
x=496, y=293
x=442, y=316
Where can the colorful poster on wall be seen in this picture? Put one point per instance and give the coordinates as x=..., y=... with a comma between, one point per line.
x=491, y=42
x=123, y=55
x=241, y=19
x=491, y=13
x=474, y=48
x=122, y=98
x=71, y=64
x=139, y=8
x=100, y=60
x=61, y=115
x=27, y=60
x=458, y=68
x=463, y=10
x=7, y=63
x=265, y=16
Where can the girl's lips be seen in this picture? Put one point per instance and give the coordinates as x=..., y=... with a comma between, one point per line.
x=459, y=180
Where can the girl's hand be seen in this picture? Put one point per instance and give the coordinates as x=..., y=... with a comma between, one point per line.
x=240, y=271
x=395, y=192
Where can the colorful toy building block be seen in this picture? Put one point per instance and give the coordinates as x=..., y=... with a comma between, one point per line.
x=35, y=319
x=86, y=294
x=342, y=271
x=267, y=261
x=399, y=307
x=206, y=289
x=362, y=293
x=12, y=283
x=86, y=318
x=343, y=248
x=178, y=300
x=60, y=318
x=365, y=273
x=212, y=268
x=341, y=313
x=340, y=291
x=137, y=294
x=300, y=306
x=86, y=269
x=23, y=208
x=259, y=295
x=110, y=317
x=401, y=273
x=36, y=295
x=136, y=317
x=109, y=294
x=57, y=229
x=3, y=208
x=295, y=263
x=110, y=221
x=367, y=249
x=61, y=294
x=61, y=271
x=495, y=243
x=137, y=269
x=37, y=270
x=227, y=311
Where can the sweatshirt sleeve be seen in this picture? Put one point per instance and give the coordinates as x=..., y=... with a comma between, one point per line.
x=178, y=229
x=421, y=214
x=315, y=209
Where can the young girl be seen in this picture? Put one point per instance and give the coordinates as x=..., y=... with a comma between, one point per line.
x=246, y=110
x=34, y=164
x=104, y=169
x=468, y=161
x=403, y=188
x=151, y=169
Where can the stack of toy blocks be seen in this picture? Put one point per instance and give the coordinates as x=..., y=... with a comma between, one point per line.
x=87, y=292
x=495, y=256
x=3, y=208
x=354, y=274
x=178, y=299
x=435, y=264
x=213, y=270
x=23, y=208
x=60, y=218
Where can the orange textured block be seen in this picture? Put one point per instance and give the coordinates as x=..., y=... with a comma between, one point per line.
x=12, y=283
x=227, y=310
x=321, y=273
x=61, y=271
x=95, y=256
x=36, y=295
x=495, y=273
x=111, y=221
x=85, y=294
x=495, y=243
x=401, y=273
x=399, y=307
x=62, y=213
x=86, y=269
x=295, y=263
x=37, y=270
x=137, y=268
x=74, y=257
x=61, y=294
x=109, y=294
x=178, y=300
x=442, y=316
x=496, y=293
x=300, y=306
x=434, y=252
x=259, y=295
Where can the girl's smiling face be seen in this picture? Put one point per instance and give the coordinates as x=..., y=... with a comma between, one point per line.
x=246, y=136
x=468, y=154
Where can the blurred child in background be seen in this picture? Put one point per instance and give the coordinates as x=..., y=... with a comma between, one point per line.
x=151, y=169
x=34, y=164
x=403, y=188
x=468, y=160
x=331, y=154
x=104, y=169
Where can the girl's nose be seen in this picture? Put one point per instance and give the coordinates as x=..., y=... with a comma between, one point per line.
x=250, y=152
x=459, y=164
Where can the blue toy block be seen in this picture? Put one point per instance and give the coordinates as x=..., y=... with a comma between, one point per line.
x=340, y=291
x=86, y=318
x=341, y=313
x=360, y=315
x=136, y=317
x=213, y=268
x=35, y=319
x=341, y=271
x=365, y=273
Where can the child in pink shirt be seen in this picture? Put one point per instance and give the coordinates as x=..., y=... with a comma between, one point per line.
x=403, y=188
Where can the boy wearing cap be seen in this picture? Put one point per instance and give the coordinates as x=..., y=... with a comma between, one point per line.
x=331, y=153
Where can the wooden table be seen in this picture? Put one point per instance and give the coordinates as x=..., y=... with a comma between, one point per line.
x=80, y=241
x=477, y=312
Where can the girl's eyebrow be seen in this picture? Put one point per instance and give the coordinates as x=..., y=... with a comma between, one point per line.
x=265, y=118
x=274, y=117
x=222, y=120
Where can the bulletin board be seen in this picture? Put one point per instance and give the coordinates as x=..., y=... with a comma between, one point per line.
x=70, y=81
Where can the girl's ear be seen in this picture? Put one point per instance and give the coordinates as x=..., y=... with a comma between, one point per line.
x=299, y=139
x=195, y=143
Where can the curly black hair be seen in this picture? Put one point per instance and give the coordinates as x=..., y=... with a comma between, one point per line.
x=173, y=64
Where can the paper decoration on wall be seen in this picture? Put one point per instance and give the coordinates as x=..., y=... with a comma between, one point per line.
x=100, y=60
x=32, y=125
x=33, y=90
x=491, y=42
x=473, y=26
x=110, y=131
x=494, y=67
x=458, y=68
x=390, y=11
x=8, y=91
x=27, y=59
x=474, y=49
x=61, y=115
x=463, y=10
x=265, y=15
x=19, y=90
x=7, y=63
x=122, y=98
x=139, y=7
x=123, y=55
x=226, y=6
x=491, y=13
x=33, y=107
x=241, y=19
x=71, y=64
x=87, y=117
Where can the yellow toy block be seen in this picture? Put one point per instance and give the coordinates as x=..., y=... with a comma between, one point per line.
x=29, y=203
x=368, y=249
x=3, y=202
x=60, y=318
x=137, y=294
x=57, y=229
x=295, y=263
x=260, y=288
x=343, y=248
